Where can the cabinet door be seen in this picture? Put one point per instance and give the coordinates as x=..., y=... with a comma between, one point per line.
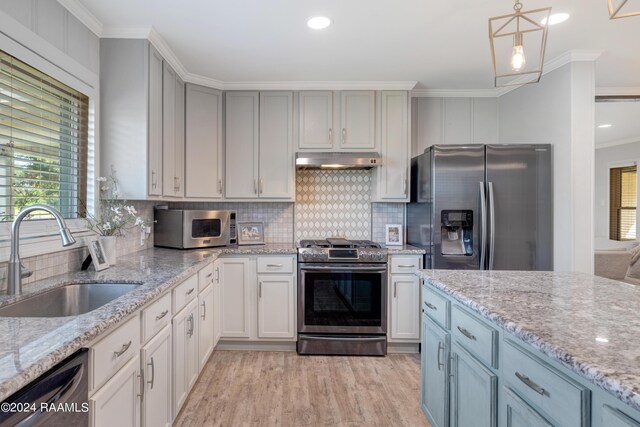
x=117, y=403
x=156, y=364
x=168, y=131
x=434, y=382
x=612, y=417
x=394, y=173
x=358, y=120
x=405, y=307
x=276, y=163
x=155, y=122
x=179, y=139
x=185, y=353
x=241, y=167
x=205, y=326
x=276, y=306
x=217, y=303
x=518, y=414
x=203, y=144
x=473, y=391
x=316, y=120
x=235, y=297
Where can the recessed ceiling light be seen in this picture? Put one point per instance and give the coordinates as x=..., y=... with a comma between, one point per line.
x=556, y=18
x=318, y=22
x=600, y=339
x=604, y=126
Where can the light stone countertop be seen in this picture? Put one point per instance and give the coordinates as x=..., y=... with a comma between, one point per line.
x=31, y=346
x=404, y=250
x=562, y=315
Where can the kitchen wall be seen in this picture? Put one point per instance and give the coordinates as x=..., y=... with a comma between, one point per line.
x=605, y=158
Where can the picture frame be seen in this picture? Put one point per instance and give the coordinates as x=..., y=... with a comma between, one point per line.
x=98, y=256
x=250, y=233
x=393, y=234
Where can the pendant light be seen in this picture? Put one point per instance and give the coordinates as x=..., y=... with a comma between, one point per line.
x=513, y=62
x=616, y=9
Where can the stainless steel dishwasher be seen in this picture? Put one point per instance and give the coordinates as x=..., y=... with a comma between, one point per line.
x=60, y=397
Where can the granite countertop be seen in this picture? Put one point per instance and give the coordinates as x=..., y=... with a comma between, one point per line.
x=587, y=323
x=30, y=346
x=404, y=250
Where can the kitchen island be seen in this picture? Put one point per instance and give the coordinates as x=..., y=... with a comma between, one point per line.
x=538, y=348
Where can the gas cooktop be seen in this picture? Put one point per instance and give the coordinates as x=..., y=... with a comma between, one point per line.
x=338, y=243
x=341, y=250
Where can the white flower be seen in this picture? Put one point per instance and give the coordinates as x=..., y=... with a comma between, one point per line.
x=130, y=210
x=116, y=210
x=139, y=221
x=101, y=179
x=106, y=226
x=104, y=188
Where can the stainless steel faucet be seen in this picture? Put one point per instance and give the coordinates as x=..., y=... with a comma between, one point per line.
x=16, y=269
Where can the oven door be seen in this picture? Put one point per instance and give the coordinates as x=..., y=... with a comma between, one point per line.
x=206, y=228
x=342, y=298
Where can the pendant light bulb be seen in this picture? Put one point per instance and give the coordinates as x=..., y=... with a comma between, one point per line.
x=518, y=59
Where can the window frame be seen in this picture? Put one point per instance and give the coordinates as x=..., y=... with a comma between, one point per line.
x=613, y=211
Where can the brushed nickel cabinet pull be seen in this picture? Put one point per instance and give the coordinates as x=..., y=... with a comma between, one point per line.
x=529, y=383
x=406, y=266
x=204, y=310
x=124, y=348
x=217, y=274
x=440, y=347
x=431, y=306
x=141, y=376
x=466, y=333
x=153, y=373
x=261, y=186
x=209, y=275
x=259, y=289
x=153, y=179
x=219, y=186
x=161, y=315
x=190, y=291
x=344, y=135
x=274, y=265
x=395, y=289
x=330, y=136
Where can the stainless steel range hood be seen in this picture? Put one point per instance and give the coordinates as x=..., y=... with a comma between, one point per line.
x=328, y=160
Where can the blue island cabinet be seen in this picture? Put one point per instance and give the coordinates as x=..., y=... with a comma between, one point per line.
x=434, y=393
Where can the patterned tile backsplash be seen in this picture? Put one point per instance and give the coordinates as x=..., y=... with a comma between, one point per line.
x=277, y=217
x=382, y=214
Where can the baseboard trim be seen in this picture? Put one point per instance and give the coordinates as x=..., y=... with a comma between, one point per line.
x=396, y=347
x=257, y=345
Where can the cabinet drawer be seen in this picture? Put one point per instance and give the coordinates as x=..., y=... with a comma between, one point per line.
x=111, y=353
x=185, y=292
x=155, y=317
x=556, y=395
x=205, y=277
x=436, y=306
x=404, y=264
x=475, y=336
x=275, y=264
x=611, y=417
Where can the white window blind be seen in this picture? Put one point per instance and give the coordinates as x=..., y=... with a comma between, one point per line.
x=623, y=202
x=43, y=141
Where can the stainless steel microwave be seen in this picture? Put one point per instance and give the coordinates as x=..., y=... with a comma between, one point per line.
x=187, y=229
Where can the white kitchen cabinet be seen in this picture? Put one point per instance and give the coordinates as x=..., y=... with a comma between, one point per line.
x=275, y=164
x=172, y=133
x=404, y=299
x=156, y=365
x=357, y=120
x=205, y=326
x=276, y=306
x=185, y=353
x=393, y=175
x=117, y=403
x=259, y=145
x=315, y=115
x=235, y=279
x=203, y=143
x=131, y=105
x=217, y=303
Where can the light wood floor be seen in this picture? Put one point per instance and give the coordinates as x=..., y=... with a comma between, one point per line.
x=241, y=388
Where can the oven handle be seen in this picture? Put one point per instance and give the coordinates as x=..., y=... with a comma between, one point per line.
x=341, y=268
x=337, y=338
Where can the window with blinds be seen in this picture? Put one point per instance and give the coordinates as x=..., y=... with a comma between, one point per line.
x=43, y=141
x=623, y=193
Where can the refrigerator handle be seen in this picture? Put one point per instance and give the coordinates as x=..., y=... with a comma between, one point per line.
x=483, y=225
x=492, y=219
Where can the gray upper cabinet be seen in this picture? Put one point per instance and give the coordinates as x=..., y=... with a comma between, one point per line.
x=203, y=143
x=316, y=120
x=259, y=145
x=173, y=133
x=357, y=120
x=131, y=107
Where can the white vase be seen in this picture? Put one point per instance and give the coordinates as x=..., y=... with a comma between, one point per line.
x=109, y=245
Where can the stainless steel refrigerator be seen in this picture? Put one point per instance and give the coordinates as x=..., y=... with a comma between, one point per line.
x=483, y=207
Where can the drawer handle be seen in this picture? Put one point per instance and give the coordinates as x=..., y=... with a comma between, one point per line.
x=466, y=333
x=209, y=275
x=191, y=326
x=204, y=310
x=529, y=383
x=190, y=291
x=124, y=348
x=274, y=265
x=431, y=306
x=440, y=347
x=161, y=315
x=406, y=266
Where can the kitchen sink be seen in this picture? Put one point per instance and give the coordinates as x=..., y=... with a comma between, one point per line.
x=68, y=300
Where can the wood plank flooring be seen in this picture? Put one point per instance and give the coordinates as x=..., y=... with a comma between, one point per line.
x=242, y=388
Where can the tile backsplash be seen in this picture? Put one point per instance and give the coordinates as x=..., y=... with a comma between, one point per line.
x=382, y=214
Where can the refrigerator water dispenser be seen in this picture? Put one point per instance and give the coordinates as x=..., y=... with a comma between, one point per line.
x=457, y=232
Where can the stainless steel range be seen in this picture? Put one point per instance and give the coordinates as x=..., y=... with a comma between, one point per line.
x=342, y=297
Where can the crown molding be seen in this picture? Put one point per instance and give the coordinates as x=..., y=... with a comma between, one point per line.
x=623, y=141
x=454, y=93
x=321, y=85
x=126, y=32
x=618, y=91
x=84, y=15
x=204, y=81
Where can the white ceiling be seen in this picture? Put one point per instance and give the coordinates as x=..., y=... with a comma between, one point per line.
x=624, y=118
x=440, y=44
